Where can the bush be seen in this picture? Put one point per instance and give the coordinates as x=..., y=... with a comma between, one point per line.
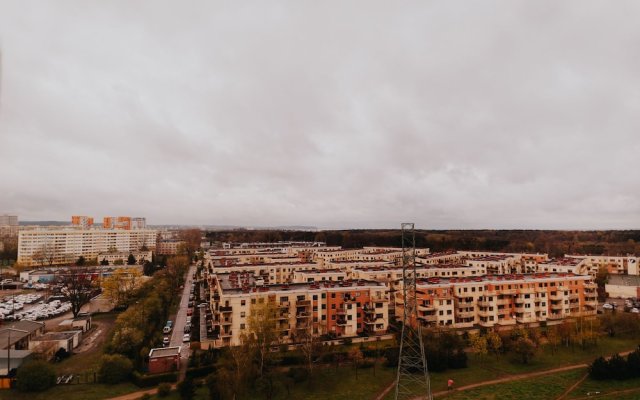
x=365, y=364
x=36, y=376
x=164, y=389
x=298, y=374
x=114, y=369
x=199, y=372
x=187, y=389
x=153, y=380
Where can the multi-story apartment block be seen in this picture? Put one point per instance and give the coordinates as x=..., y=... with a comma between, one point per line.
x=82, y=221
x=565, y=265
x=8, y=225
x=502, y=300
x=60, y=246
x=620, y=265
x=319, y=275
x=126, y=223
x=339, y=309
x=169, y=246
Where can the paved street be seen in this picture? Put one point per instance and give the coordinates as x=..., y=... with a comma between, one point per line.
x=181, y=318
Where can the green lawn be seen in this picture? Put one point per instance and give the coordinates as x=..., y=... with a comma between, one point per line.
x=590, y=385
x=539, y=388
x=73, y=392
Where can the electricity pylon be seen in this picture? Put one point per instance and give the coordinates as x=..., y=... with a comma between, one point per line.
x=413, y=377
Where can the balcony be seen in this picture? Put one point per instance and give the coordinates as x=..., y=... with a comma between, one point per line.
x=428, y=318
x=303, y=303
x=557, y=296
x=303, y=315
x=557, y=306
x=225, y=309
x=422, y=307
x=466, y=314
x=555, y=316
x=226, y=322
x=486, y=303
x=285, y=304
x=341, y=322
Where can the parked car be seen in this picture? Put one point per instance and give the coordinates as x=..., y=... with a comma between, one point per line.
x=635, y=310
x=607, y=306
x=187, y=328
x=169, y=323
x=166, y=329
x=165, y=341
x=189, y=311
x=186, y=337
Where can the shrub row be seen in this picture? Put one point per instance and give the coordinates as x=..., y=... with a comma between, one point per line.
x=153, y=380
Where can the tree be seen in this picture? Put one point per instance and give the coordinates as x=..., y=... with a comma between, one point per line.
x=45, y=255
x=35, y=376
x=120, y=286
x=553, y=338
x=262, y=331
x=148, y=269
x=114, y=369
x=633, y=363
x=525, y=348
x=479, y=345
x=104, y=262
x=192, y=239
x=355, y=355
x=80, y=261
x=131, y=260
x=77, y=287
x=494, y=343
x=187, y=389
x=599, y=369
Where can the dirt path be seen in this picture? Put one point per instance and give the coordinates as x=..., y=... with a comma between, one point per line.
x=137, y=395
x=575, y=385
x=609, y=394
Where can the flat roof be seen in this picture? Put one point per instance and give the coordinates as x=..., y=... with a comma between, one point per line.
x=499, y=279
x=55, y=336
x=164, y=352
x=29, y=326
x=624, y=280
x=245, y=283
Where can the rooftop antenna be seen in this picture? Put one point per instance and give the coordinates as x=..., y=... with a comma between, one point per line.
x=413, y=377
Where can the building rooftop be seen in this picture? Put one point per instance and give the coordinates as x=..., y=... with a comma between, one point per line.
x=236, y=283
x=28, y=326
x=569, y=262
x=500, y=257
x=55, y=336
x=624, y=280
x=164, y=352
x=499, y=279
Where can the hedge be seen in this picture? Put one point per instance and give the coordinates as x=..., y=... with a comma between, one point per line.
x=153, y=380
x=199, y=372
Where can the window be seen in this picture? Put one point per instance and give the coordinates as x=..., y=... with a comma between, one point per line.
x=243, y=303
x=241, y=326
x=242, y=314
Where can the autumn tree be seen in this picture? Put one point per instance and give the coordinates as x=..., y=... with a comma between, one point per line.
x=77, y=286
x=192, y=239
x=479, y=345
x=120, y=285
x=494, y=343
x=356, y=357
x=525, y=348
x=262, y=332
x=131, y=260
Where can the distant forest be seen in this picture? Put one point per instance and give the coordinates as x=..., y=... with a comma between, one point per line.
x=555, y=243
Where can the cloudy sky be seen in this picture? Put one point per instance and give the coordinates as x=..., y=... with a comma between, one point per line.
x=476, y=114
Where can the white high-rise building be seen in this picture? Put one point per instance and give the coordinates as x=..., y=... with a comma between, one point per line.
x=45, y=247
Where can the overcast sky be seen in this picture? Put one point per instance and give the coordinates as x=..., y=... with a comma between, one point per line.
x=476, y=114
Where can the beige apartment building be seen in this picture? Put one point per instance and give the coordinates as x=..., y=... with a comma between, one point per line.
x=336, y=309
x=63, y=246
x=617, y=265
x=504, y=300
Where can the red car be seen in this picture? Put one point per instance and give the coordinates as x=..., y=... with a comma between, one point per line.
x=189, y=311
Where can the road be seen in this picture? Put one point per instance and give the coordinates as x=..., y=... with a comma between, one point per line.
x=181, y=319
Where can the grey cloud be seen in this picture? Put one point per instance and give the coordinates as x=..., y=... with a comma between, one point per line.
x=453, y=114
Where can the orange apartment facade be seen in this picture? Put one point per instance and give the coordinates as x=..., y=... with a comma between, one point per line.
x=494, y=301
x=336, y=309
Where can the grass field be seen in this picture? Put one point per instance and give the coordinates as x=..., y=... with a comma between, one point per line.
x=590, y=385
x=540, y=388
x=72, y=392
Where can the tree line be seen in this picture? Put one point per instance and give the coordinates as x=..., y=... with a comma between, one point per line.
x=555, y=243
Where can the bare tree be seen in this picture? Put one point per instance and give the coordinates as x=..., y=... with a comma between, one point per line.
x=262, y=331
x=310, y=342
x=77, y=287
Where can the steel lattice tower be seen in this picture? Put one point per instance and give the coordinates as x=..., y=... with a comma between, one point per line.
x=413, y=377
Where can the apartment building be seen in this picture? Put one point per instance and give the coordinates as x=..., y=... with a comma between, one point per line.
x=502, y=300
x=82, y=221
x=8, y=225
x=338, y=309
x=63, y=246
x=126, y=223
x=617, y=265
x=110, y=258
x=169, y=246
x=572, y=265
